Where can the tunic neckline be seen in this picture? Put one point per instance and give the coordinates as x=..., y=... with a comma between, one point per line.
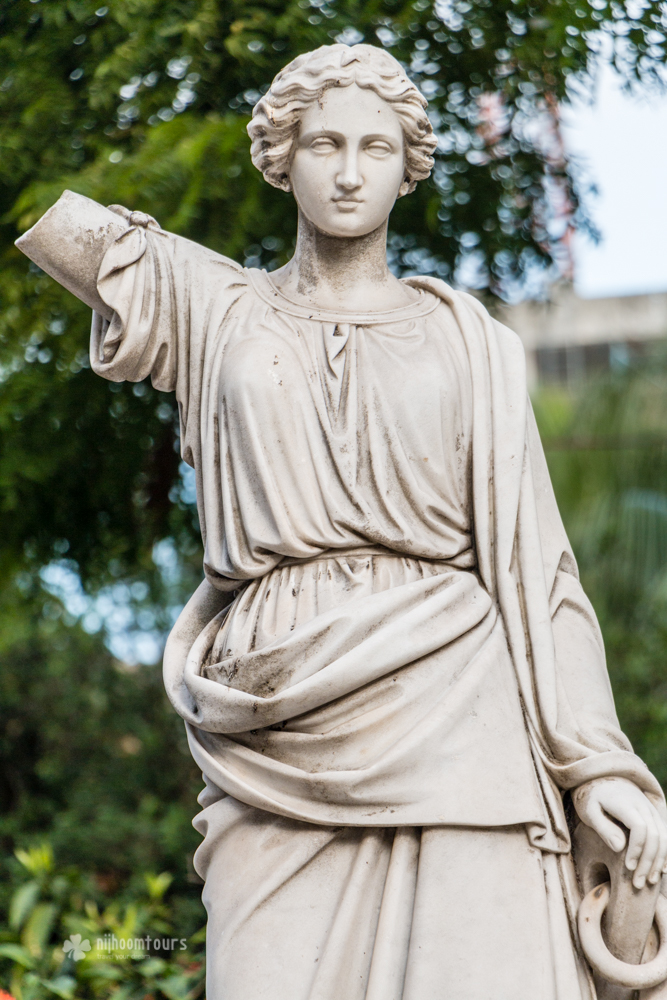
x=264, y=287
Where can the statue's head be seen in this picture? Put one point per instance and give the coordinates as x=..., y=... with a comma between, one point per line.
x=346, y=130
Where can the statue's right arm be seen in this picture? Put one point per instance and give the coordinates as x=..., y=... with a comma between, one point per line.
x=69, y=242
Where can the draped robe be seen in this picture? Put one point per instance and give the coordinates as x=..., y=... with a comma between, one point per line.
x=409, y=675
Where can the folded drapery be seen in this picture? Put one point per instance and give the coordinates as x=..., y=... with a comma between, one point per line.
x=301, y=912
x=374, y=711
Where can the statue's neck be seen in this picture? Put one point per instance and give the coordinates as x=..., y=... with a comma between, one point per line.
x=349, y=273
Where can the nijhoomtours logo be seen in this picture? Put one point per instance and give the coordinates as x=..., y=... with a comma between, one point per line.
x=76, y=947
x=111, y=945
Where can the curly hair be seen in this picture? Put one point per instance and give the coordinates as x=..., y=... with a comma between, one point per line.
x=276, y=117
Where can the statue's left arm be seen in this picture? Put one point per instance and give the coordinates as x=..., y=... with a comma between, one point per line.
x=585, y=700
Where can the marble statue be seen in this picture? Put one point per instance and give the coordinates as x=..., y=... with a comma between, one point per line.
x=390, y=676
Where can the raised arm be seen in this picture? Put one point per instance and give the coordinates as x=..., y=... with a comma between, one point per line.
x=156, y=295
x=69, y=243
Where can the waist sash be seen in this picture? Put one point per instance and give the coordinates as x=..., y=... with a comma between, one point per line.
x=395, y=708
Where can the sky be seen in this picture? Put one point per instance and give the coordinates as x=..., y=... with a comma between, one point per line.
x=621, y=141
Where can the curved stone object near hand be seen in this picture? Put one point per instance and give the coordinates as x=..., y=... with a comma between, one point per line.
x=69, y=242
x=628, y=924
x=643, y=976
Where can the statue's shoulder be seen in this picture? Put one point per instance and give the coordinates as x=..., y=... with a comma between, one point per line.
x=468, y=307
x=198, y=255
x=186, y=252
x=170, y=252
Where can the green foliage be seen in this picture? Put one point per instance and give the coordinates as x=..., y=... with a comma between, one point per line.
x=145, y=102
x=607, y=454
x=66, y=939
x=92, y=755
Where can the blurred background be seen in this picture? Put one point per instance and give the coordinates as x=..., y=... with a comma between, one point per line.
x=552, y=125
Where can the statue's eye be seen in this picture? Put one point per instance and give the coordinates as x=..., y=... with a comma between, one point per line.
x=323, y=145
x=379, y=149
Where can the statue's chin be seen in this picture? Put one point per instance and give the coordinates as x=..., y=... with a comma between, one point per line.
x=346, y=225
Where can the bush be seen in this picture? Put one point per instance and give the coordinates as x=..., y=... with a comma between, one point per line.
x=65, y=939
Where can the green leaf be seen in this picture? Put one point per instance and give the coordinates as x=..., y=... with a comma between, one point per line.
x=22, y=904
x=104, y=971
x=18, y=954
x=38, y=928
x=62, y=986
x=199, y=937
x=175, y=987
x=152, y=966
x=38, y=860
x=158, y=884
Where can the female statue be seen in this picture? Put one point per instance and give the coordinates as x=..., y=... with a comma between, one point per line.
x=390, y=677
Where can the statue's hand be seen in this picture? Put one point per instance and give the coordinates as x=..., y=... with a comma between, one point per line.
x=603, y=800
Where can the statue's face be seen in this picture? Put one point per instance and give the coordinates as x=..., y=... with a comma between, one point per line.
x=348, y=163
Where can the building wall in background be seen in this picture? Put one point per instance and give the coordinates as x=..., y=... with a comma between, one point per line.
x=568, y=338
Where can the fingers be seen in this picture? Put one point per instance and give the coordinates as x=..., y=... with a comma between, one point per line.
x=658, y=866
x=605, y=828
x=647, y=849
x=642, y=849
x=600, y=805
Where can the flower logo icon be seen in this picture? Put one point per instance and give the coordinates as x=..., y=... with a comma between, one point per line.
x=76, y=948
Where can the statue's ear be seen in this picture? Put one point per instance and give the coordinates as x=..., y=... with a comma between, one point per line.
x=407, y=187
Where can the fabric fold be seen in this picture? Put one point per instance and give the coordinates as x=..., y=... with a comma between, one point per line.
x=375, y=710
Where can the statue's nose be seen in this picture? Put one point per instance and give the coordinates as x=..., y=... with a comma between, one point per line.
x=349, y=178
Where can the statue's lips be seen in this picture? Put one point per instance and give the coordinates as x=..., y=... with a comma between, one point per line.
x=346, y=204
